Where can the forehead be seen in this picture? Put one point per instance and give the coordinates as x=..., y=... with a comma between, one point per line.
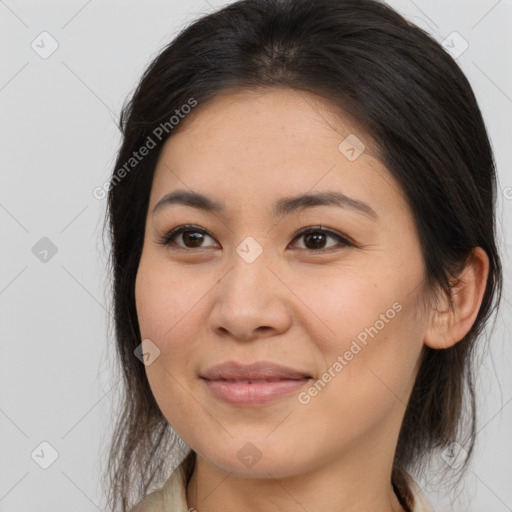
x=274, y=116
x=259, y=144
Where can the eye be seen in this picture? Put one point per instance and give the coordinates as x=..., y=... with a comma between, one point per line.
x=191, y=236
x=315, y=238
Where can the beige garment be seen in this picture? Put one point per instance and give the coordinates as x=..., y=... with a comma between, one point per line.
x=172, y=497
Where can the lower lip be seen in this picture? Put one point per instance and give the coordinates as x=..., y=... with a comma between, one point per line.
x=253, y=393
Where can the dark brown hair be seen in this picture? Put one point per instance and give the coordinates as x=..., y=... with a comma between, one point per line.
x=410, y=97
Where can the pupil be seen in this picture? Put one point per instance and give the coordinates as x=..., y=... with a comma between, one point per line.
x=192, y=238
x=318, y=240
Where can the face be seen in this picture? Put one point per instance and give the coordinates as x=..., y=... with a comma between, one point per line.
x=330, y=290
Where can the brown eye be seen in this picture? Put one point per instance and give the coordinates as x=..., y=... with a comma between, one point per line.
x=315, y=239
x=189, y=236
x=192, y=239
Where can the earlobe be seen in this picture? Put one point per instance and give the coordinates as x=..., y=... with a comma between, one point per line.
x=449, y=323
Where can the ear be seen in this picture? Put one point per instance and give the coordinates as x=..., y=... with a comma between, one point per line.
x=449, y=324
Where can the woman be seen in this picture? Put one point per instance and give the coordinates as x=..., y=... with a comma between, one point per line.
x=303, y=254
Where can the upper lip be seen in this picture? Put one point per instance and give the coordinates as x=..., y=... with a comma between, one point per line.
x=257, y=371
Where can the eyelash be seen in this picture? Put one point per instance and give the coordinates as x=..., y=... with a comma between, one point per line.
x=167, y=239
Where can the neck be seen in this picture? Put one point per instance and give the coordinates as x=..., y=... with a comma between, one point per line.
x=337, y=486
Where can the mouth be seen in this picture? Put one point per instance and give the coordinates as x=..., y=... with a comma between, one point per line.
x=254, y=384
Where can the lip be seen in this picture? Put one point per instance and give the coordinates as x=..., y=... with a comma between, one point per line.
x=253, y=384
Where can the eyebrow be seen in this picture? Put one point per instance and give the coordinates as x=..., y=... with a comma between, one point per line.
x=283, y=206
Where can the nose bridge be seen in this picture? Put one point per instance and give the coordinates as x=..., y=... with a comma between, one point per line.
x=249, y=295
x=249, y=276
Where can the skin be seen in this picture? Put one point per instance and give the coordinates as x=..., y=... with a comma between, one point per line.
x=293, y=305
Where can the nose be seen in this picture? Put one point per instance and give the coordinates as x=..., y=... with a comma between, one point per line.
x=250, y=301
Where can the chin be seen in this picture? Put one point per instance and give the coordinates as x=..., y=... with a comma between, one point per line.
x=258, y=459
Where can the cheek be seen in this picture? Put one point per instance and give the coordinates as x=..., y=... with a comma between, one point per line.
x=369, y=338
x=150, y=301
x=166, y=300
x=341, y=305
x=364, y=386
x=169, y=314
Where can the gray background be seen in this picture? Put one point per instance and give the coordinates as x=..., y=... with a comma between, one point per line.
x=58, y=142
